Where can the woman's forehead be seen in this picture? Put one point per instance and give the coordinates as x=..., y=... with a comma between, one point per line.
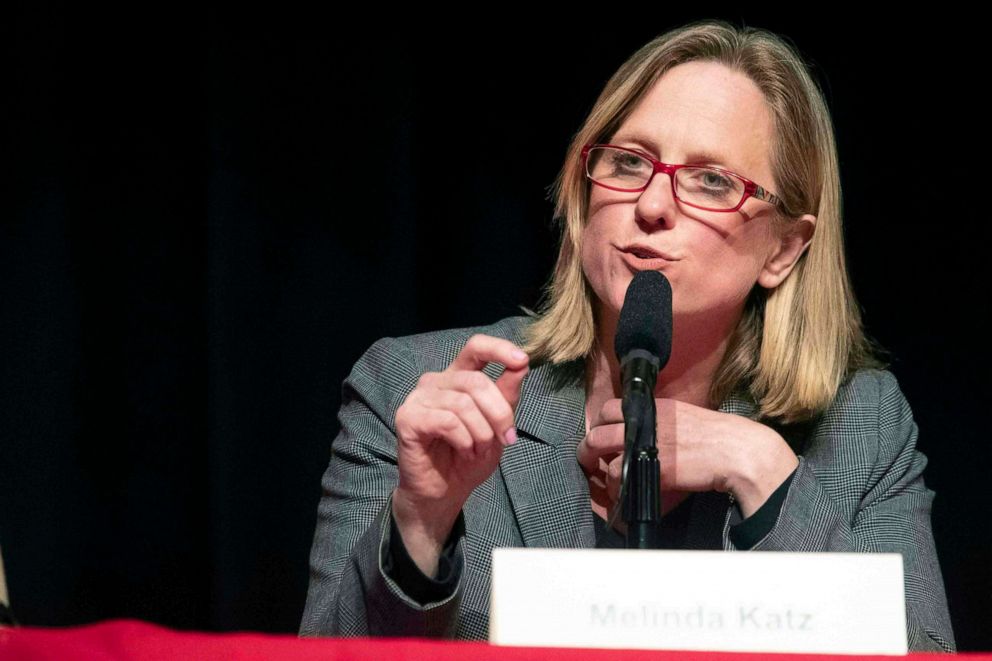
x=703, y=112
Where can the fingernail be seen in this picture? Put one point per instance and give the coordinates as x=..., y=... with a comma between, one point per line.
x=511, y=435
x=519, y=355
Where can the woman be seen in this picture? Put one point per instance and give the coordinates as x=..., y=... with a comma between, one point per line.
x=709, y=156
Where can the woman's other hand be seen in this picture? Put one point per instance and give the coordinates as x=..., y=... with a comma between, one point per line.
x=451, y=431
x=699, y=450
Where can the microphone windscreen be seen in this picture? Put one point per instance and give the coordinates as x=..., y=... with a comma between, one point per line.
x=646, y=317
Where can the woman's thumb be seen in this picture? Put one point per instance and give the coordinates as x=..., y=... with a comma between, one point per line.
x=509, y=384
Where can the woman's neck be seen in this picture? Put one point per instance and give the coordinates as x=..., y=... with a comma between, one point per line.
x=688, y=376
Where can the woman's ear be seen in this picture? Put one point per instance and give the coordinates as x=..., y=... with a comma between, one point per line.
x=787, y=252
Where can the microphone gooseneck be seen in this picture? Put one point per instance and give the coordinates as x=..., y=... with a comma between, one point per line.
x=643, y=345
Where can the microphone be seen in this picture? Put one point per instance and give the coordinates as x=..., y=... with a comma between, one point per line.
x=643, y=345
x=644, y=331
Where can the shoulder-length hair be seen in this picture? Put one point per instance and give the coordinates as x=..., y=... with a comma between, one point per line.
x=795, y=344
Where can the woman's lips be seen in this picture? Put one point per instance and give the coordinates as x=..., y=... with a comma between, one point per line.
x=644, y=259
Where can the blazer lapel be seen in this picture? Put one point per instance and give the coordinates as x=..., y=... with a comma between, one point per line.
x=548, y=490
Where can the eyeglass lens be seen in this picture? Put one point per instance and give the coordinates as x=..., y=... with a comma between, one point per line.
x=700, y=186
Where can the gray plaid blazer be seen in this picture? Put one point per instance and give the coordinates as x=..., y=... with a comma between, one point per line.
x=859, y=487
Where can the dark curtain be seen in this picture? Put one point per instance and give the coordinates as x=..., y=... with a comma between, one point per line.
x=208, y=219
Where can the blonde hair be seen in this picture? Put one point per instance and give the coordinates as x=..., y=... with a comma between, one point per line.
x=795, y=344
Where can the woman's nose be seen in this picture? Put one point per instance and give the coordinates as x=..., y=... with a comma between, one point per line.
x=657, y=203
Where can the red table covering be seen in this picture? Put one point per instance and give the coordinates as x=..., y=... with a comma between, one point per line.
x=131, y=639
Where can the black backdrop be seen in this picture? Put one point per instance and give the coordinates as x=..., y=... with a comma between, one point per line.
x=207, y=220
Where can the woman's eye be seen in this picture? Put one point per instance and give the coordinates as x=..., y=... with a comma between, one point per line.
x=627, y=161
x=713, y=179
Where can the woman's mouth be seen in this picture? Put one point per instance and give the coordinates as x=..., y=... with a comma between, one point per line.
x=642, y=258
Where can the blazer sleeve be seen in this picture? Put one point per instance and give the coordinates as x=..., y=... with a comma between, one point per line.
x=350, y=594
x=892, y=514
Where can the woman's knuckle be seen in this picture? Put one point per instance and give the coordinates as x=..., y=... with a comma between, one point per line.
x=463, y=402
x=448, y=421
x=476, y=380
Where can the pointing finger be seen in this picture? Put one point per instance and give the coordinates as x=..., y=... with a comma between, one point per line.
x=509, y=384
x=481, y=349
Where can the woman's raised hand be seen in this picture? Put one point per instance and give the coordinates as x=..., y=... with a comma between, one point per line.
x=699, y=450
x=451, y=431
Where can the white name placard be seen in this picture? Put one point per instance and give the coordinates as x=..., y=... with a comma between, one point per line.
x=839, y=603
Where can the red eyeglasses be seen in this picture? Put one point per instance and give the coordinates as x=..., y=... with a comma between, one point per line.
x=700, y=186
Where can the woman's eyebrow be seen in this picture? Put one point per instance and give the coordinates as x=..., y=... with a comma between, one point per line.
x=707, y=156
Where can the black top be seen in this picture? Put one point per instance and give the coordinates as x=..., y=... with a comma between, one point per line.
x=673, y=527
x=398, y=565
x=744, y=535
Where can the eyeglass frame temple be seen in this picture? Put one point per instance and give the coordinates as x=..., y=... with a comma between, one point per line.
x=751, y=189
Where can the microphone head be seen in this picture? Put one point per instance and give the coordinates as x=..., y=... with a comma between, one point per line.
x=646, y=317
